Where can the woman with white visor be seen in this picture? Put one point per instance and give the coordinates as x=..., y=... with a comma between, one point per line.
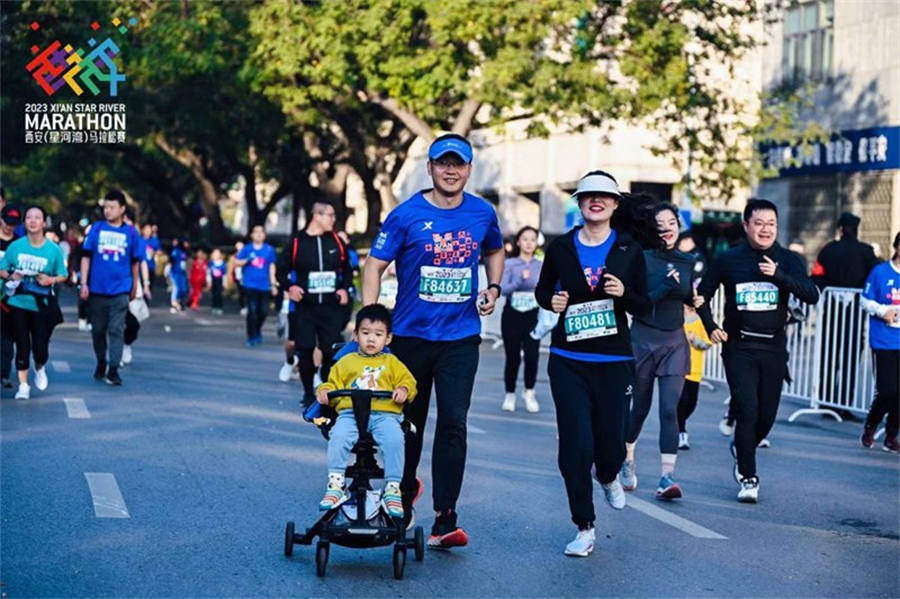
x=591, y=277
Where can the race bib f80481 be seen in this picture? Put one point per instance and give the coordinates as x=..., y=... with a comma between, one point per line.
x=445, y=285
x=756, y=296
x=590, y=319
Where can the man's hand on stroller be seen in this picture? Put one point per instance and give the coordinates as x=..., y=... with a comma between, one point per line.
x=322, y=396
x=400, y=394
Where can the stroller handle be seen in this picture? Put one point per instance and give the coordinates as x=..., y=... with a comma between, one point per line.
x=372, y=394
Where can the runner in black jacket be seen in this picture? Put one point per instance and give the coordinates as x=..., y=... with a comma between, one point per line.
x=322, y=275
x=758, y=275
x=593, y=275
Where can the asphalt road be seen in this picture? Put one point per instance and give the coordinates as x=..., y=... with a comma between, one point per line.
x=211, y=459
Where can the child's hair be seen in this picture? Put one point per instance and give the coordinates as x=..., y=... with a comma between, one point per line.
x=374, y=313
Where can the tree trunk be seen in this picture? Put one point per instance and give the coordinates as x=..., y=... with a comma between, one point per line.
x=209, y=196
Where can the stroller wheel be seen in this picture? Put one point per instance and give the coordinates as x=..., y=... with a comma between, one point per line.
x=322, y=549
x=419, y=544
x=289, y=539
x=399, y=559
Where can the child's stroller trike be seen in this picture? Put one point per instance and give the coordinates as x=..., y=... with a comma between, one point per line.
x=360, y=520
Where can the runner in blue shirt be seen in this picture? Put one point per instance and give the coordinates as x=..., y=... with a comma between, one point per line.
x=178, y=273
x=151, y=246
x=881, y=299
x=258, y=262
x=436, y=238
x=109, y=265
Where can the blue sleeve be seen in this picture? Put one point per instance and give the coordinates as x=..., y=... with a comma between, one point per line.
x=493, y=239
x=390, y=238
x=245, y=251
x=271, y=255
x=90, y=242
x=871, y=287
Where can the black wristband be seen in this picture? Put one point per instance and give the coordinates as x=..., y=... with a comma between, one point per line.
x=499, y=288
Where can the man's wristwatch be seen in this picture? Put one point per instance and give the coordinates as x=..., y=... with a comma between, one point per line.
x=499, y=289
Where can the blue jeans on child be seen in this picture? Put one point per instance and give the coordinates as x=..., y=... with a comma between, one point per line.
x=385, y=428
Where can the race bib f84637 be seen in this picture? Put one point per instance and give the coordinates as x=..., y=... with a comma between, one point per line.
x=445, y=285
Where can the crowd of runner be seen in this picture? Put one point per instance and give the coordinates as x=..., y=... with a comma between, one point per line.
x=625, y=296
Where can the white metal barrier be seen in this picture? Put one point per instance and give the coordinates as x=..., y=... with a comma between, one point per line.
x=829, y=360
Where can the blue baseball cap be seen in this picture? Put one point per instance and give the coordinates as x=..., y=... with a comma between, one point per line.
x=450, y=144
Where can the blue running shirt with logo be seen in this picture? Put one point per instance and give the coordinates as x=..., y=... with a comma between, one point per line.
x=436, y=252
x=113, y=249
x=591, y=319
x=883, y=286
x=256, y=271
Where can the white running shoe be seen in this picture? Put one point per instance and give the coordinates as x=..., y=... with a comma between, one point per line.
x=725, y=428
x=127, y=356
x=24, y=391
x=509, y=404
x=83, y=325
x=683, y=442
x=284, y=374
x=765, y=443
x=749, y=492
x=40, y=378
x=583, y=543
x=531, y=403
x=615, y=494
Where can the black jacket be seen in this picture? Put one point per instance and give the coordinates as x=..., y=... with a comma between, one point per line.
x=844, y=263
x=315, y=253
x=562, y=271
x=668, y=296
x=761, y=328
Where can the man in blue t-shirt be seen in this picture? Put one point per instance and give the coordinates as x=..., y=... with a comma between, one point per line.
x=257, y=260
x=151, y=246
x=110, y=258
x=436, y=238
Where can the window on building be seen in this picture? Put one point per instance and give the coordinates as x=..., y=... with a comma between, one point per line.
x=808, y=41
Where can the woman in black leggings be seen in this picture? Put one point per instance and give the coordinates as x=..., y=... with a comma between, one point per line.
x=591, y=276
x=520, y=276
x=661, y=350
x=30, y=267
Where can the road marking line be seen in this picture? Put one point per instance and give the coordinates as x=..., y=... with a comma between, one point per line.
x=76, y=408
x=108, y=500
x=203, y=322
x=60, y=366
x=666, y=517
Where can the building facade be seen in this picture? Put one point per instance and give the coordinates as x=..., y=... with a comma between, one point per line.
x=845, y=53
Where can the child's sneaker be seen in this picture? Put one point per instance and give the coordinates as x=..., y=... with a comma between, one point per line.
x=334, y=492
x=393, y=500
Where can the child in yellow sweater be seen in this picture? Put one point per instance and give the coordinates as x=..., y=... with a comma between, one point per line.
x=699, y=343
x=368, y=368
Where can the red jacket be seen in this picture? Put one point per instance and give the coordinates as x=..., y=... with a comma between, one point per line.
x=198, y=273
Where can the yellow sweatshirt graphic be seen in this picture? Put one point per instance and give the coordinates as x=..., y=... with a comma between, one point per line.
x=382, y=372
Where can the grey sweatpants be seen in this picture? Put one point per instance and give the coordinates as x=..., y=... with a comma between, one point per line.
x=107, y=315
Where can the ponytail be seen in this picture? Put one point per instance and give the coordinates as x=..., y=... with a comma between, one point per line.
x=636, y=215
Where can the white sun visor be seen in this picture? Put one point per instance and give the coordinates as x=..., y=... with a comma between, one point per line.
x=597, y=184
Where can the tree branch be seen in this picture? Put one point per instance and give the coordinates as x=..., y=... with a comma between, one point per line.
x=412, y=122
x=462, y=124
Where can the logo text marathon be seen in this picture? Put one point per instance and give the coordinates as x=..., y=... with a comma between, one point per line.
x=75, y=123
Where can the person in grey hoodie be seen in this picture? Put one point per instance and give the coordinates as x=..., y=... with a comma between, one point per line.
x=520, y=276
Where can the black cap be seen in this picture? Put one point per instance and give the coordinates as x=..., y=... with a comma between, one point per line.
x=848, y=221
x=11, y=215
